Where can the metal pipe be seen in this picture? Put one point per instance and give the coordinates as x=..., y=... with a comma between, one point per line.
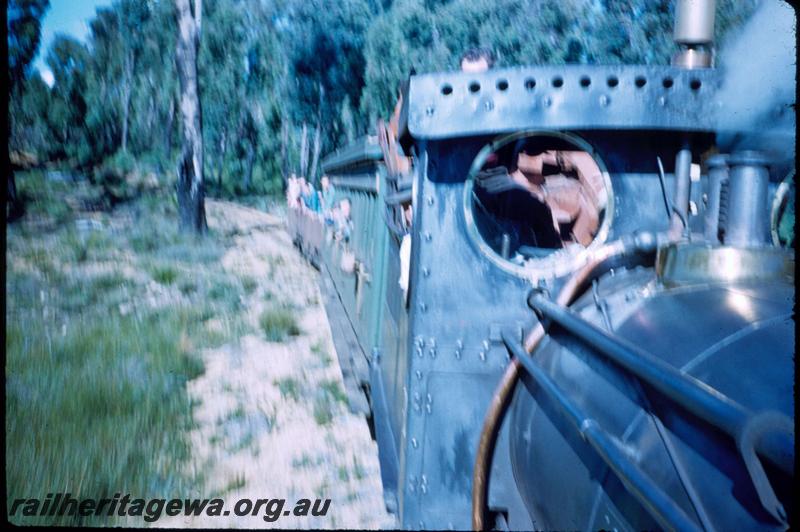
x=693, y=395
x=680, y=202
x=488, y=438
x=694, y=33
x=663, y=183
x=502, y=394
x=694, y=22
x=660, y=506
x=717, y=175
x=505, y=248
x=748, y=214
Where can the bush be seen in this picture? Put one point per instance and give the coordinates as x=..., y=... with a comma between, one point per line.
x=289, y=388
x=249, y=284
x=165, y=275
x=44, y=198
x=122, y=178
x=111, y=176
x=278, y=324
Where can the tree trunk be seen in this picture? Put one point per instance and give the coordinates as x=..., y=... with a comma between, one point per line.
x=191, y=200
x=314, y=156
x=303, y=151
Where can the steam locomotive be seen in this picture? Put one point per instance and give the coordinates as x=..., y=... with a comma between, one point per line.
x=642, y=379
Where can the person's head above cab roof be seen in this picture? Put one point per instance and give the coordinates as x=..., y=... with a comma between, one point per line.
x=477, y=60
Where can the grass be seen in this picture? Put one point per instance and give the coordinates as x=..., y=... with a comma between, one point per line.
x=95, y=245
x=323, y=411
x=245, y=442
x=224, y=292
x=303, y=462
x=236, y=483
x=99, y=409
x=96, y=399
x=329, y=397
x=278, y=323
x=332, y=389
x=236, y=414
x=289, y=388
x=187, y=287
x=249, y=284
x=165, y=275
x=44, y=199
x=83, y=294
x=358, y=470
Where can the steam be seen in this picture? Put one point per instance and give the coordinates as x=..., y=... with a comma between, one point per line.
x=758, y=90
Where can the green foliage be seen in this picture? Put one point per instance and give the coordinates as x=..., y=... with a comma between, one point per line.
x=27, y=110
x=24, y=26
x=431, y=36
x=98, y=406
x=225, y=293
x=268, y=68
x=323, y=411
x=289, y=388
x=123, y=177
x=165, y=275
x=249, y=284
x=43, y=198
x=97, y=358
x=329, y=396
x=278, y=324
x=332, y=389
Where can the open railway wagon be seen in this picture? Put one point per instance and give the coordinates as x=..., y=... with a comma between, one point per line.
x=641, y=378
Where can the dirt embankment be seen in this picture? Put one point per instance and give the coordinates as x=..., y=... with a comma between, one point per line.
x=271, y=420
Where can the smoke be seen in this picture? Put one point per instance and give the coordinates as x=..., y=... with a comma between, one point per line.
x=758, y=89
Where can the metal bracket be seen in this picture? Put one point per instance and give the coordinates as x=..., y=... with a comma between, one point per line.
x=753, y=430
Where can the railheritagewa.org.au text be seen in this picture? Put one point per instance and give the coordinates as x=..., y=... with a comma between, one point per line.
x=61, y=504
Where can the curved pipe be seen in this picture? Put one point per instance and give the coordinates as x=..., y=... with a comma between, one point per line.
x=503, y=392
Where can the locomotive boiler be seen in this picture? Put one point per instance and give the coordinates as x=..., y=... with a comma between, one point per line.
x=622, y=359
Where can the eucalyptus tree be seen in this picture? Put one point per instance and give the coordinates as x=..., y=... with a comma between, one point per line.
x=261, y=126
x=27, y=113
x=429, y=35
x=155, y=83
x=24, y=29
x=325, y=52
x=222, y=71
x=190, y=187
x=69, y=61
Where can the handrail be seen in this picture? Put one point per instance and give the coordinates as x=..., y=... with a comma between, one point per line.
x=625, y=246
x=396, y=198
x=695, y=396
x=365, y=182
x=657, y=503
x=362, y=151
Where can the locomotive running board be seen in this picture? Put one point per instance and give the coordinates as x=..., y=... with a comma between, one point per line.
x=352, y=359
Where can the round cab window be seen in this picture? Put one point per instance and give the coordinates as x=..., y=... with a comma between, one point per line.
x=536, y=203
